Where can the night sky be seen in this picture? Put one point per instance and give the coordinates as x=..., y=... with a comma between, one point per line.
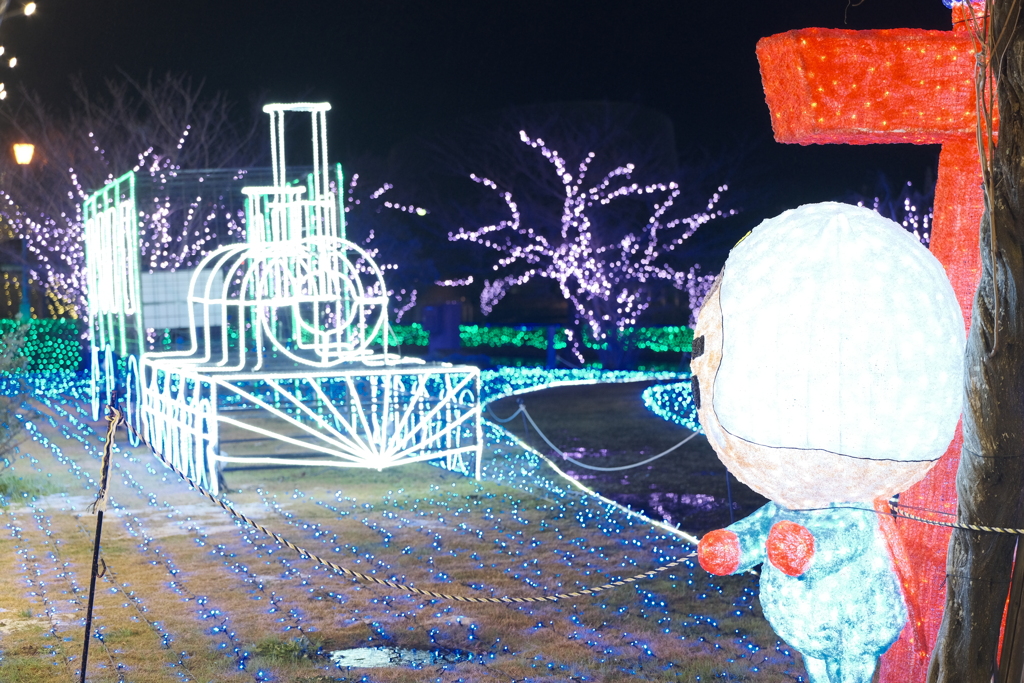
x=392, y=68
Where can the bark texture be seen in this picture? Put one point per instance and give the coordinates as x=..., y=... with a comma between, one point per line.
x=990, y=480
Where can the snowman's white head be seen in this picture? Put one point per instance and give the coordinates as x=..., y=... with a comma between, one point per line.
x=832, y=364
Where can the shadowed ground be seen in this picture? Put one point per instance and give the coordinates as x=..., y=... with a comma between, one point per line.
x=607, y=425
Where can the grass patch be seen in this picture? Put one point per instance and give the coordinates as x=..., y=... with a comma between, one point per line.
x=15, y=489
x=189, y=595
x=276, y=650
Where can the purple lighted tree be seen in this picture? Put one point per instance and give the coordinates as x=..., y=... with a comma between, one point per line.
x=606, y=253
x=381, y=226
x=161, y=129
x=156, y=128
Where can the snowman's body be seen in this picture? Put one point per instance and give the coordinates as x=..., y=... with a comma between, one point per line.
x=828, y=365
x=846, y=608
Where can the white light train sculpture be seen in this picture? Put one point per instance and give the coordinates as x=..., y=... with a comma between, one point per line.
x=284, y=337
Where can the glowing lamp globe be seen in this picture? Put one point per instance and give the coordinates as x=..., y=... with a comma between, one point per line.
x=23, y=152
x=832, y=364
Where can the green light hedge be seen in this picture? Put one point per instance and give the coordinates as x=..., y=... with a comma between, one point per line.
x=662, y=339
x=671, y=339
x=55, y=344
x=408, y=335
x=496, y=336
x=50, y=344
x=675, y=339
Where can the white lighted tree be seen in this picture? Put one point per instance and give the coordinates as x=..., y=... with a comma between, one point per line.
x=614, y=242
x=192, y=152
x=907, y=205
x=157, y=128
x=381, y=225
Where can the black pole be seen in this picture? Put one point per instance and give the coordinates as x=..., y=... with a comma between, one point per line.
x=552, y=358
x=728, y=493
x=25, y=308
x=92, y=592
x=100, y=505
x=1011, y=661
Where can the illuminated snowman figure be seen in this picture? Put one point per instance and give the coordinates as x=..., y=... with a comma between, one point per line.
x=828, y=363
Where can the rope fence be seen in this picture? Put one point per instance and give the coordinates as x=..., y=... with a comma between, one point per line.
x=894, y=506
x=117, y=418
x=521, y=410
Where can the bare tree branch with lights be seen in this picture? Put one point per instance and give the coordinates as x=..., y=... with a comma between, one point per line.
x=157, y=127
x=613, y=242
x=907, y=205
x=382, y=225
x=7, y=11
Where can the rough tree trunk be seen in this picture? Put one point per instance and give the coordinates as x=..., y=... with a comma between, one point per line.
x=990, y=481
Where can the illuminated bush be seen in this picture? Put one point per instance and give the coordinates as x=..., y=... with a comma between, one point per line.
x=497, y=336
x=49, y=344
x=671, y=339
x=407, y=335
x=673, y=402
x=674, y=339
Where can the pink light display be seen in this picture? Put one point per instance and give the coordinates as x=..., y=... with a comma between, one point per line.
x=605, y=278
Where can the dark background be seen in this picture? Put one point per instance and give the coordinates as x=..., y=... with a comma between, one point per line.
x=392, y=66
x=395, y=68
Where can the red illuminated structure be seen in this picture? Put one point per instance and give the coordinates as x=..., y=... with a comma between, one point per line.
x=898, y=86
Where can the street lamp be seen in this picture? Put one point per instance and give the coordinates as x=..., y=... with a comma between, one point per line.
x=23, y=152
